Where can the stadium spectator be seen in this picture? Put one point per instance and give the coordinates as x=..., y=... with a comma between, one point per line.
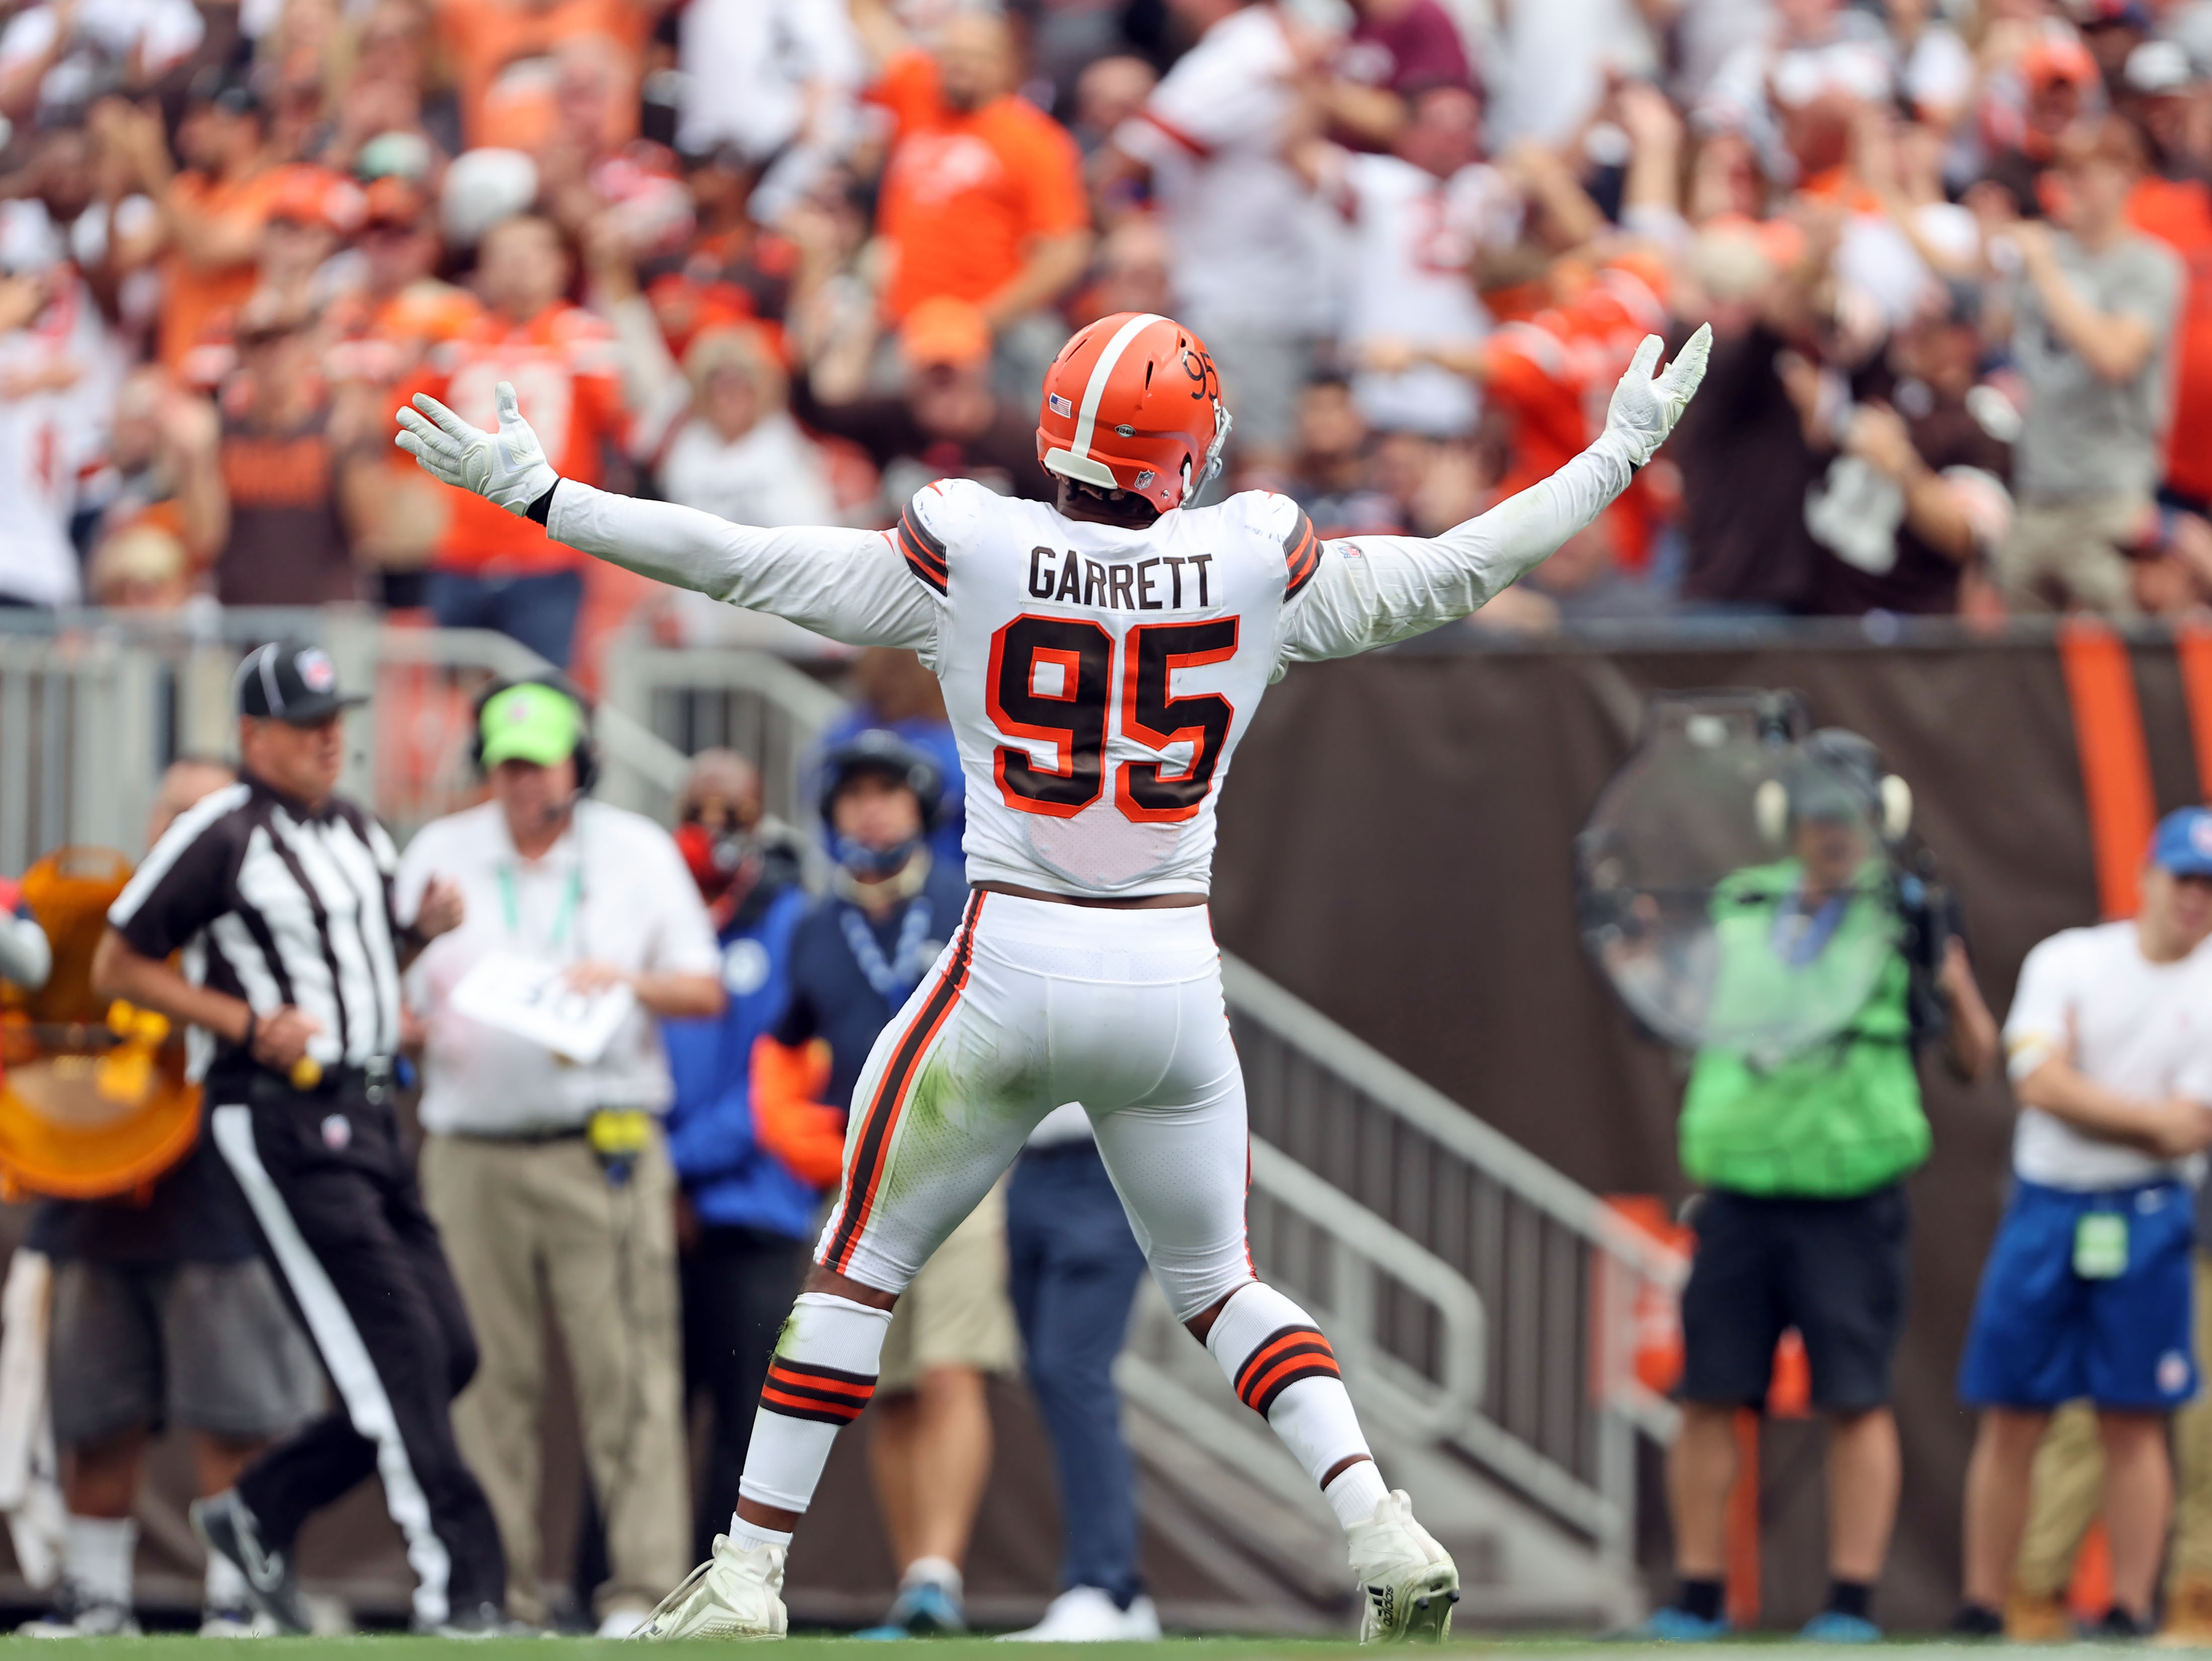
x=2088, y=1291
x=855, y=958
x=493, y=569
x=774, y=84
x=893, y=692
x=1914, y=491
x=981, y=199
x=40, y=437
x=524, y=63
x=1250, y=264
x=1417, y=217
x=142, y=568
x=739, y=454
x=947, y=422
x=381, y=332
x=212, y=214
x=2094, y=308
x=163, y=1312
x=59, y=56
x=1746, y=467
x=549, y=1176
x=744, y=1218
x=285, y=457
x=1804, y=1220
x=1073, y=1268
x=2067, y=1492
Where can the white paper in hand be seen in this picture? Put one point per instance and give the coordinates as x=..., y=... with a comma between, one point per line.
x=531, y=1000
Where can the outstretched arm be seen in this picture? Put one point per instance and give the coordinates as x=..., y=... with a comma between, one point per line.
x=1372, y=590
x=851, y=586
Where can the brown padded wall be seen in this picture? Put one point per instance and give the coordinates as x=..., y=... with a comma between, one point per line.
x=1395, y=850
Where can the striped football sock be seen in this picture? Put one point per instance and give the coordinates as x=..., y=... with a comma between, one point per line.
x=822, y=1375
x=1283, y=1369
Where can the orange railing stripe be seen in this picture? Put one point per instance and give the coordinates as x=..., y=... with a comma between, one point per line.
x=2108, y=734
x=2192, y=645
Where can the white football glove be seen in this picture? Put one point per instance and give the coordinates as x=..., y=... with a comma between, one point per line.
x=1644, y=409
x=508, y=467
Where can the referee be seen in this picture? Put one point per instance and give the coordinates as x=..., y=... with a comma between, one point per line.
x=278, y=896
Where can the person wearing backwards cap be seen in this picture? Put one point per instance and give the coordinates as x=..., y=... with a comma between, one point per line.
x=278, y=895
x=549, y=1176
x=2087, y=1293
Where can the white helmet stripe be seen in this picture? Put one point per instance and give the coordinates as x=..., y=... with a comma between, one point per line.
x=1103, y=372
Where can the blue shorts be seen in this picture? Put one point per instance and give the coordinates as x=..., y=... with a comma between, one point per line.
x=2043, y=1335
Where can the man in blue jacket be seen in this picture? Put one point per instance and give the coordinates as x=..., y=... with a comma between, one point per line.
x=745, y=1219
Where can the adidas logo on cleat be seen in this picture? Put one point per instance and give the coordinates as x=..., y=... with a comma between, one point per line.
x=1385, y=1601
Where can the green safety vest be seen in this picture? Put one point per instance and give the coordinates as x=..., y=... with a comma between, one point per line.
x=1840, y=1119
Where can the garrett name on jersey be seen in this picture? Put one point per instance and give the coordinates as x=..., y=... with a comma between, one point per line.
x=1156, y=584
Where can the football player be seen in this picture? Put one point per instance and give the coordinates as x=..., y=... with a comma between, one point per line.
x=1101, y=657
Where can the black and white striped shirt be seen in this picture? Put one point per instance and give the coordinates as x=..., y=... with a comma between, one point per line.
x=277, y=905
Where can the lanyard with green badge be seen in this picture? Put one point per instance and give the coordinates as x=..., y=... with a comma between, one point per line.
x=572, y=898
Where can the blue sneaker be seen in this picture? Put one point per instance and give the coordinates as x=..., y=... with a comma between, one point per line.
x=1678, y=1626
x=1834, y=1627
x=918, y=1610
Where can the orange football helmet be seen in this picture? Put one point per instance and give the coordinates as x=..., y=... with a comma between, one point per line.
x=1132, y=402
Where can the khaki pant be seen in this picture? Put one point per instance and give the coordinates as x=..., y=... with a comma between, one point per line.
x=956, y=1313
x=2069, y=1479
x=536, y=1230
x=2069, y=553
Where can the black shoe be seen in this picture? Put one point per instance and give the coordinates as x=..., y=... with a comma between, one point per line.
x=224, y=1524
x=1973, y=1620
x=485, y=1621
x=2118, y=1627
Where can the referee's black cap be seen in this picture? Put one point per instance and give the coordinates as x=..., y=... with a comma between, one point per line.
x=291, y=681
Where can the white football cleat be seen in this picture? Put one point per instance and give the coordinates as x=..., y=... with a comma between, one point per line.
x=735, y=1593
x=1407, y=1582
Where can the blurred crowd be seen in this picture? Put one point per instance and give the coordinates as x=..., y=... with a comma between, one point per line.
x=788, y=259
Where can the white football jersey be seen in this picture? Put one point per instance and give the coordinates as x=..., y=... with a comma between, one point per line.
x=1098, y=678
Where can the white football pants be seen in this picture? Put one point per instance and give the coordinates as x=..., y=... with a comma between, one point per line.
x=1030, y=1005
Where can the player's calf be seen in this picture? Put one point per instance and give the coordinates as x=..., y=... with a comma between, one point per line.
x=1283, y=1369
x=823, y=1373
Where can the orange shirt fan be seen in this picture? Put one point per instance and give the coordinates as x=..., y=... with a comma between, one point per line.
x=93, y=1102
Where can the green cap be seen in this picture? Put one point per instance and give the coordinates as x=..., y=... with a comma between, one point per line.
x=531, y=722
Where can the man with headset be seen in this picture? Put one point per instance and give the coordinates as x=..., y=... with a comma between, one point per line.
x=854, y=958
x=548, y=1175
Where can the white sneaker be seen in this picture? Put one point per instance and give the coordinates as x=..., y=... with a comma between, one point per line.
x=623, y=1623
x=237, y=1623
x=90, y=1620
x=1084, y=1614
x=733, y=1594
x=1408, y=1580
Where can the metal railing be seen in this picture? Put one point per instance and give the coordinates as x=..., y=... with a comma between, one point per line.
x=1558, y=1276
x=760, y=706
x=93, y=705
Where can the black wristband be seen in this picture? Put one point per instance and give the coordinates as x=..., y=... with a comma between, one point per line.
x=252, y=1025
x=542, y=509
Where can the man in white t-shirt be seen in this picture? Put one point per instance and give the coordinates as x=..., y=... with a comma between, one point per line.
x=1251, y=246
x=2088, y=1291
x=548, y=1179
x=1417, y=217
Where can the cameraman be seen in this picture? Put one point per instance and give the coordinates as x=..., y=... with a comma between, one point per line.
x=2088, y=1291
x=1803, y=1223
